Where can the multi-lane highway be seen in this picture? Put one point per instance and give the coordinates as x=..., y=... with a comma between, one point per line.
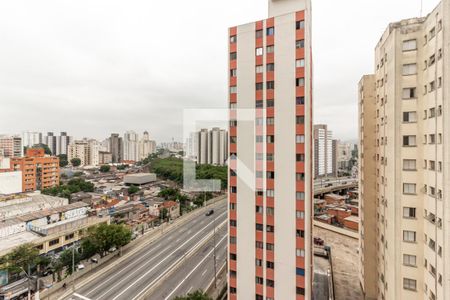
x=178, y=262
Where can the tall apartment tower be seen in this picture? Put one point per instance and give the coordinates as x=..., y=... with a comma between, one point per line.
x=368, y=274
x=30, y=138
x=130, y=146
x=50, y=141
x=116, y=148
x=11, y=146
x=412, y=174
x=270, y=184
x=325, y=152
x=62, y=143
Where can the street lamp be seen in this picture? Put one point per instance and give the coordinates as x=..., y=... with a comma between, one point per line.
x=215, y=262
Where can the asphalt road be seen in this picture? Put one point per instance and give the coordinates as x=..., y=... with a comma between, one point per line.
x=146, y=269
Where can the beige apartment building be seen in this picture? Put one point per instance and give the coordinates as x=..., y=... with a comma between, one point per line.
x=406, y=176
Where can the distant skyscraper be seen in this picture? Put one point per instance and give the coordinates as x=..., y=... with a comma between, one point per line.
x=131, y=146
x=11, y=146
x=146, y=146
x=50, y=141
x=62, y=143
x=116, y=148
x=30, y=138
x=270, y=183
x=325, y=152
x=86, y=150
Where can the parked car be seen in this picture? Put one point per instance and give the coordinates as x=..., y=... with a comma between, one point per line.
x=94, y=260
x=113, y=249
x=210, y=212
x=80, y=267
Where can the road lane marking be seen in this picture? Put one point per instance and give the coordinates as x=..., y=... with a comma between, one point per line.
x=204, y=272
x=193, y=270
x=81, y=296
x=169, y=269
x=114, y=275
x=146, y=273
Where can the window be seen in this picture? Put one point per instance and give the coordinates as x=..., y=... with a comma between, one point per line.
x=409, y=236
x=409, y=45
x=258, y=262
x=233, y=289
x=300, y=233
x=270, y=283
x=69, y=236
x=270, y=31
x=233, y=56
x=259, y=86
x=258, y=34
x=300, y=272
x=259, y=156
x=259, y=280
x=300, y=252
x=233, y=206
x=233, y=72
x=300, y=176
x=300, y=291
x=259, y=69
x=432, y=113
x=53, y=242
x=300, y=214
x=259, y=245
x=233, y=139
x=259, y=104
x=233, y=223
x=409, y=260
x=233, y=106
x=410, y=117
x=409, y=140
x=409, y=69
x=270, y=247
x=300, y=157
x=270, y=264
x=300, y=24
x=259, y=297
x=300, y=120
x=270, y=103
x=300, y=195
x=270, y=228
x=259, y=227
x=300, y=100
x=409, y=165
x=259, y=209
x=409, y=212
x=233, y=39
x=270, y=193
x=270, y=211
x=270, y=139
x=259, y=51
x=409, y=93
x=409, y=284
x=432, y=139
x=270, y=156
x=233, y=189
x=270, y=67
x=270, y=175
x=270, y=49
x=300, y=44
x=232, y=240
x=300, y=81
x=270, y=121
x=270, y=85
x=300, y=63
x=409, y=188
x=300, y=139
x=233, y=89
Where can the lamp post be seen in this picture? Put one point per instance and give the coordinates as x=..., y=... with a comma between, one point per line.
x=215, y=262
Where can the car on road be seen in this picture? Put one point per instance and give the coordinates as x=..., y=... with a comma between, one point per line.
x=80, y=267
x=210, y=212
x=94, y=260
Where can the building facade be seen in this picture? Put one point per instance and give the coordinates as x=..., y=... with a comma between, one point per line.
x=50, y=140
x=130, y=146
x=270, y=183
x=208, y=146
x=116, y=148
x=86, y=150
x=146, y=146
x=62, y=143
x=11, y=146
x=38, y=170
x=412, y=177
x=325, y=152
x=30, y=138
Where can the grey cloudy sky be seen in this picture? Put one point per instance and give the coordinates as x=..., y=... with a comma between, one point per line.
x=96, y=67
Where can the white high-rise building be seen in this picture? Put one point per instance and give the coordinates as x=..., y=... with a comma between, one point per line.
x=62, y=143
x=131, y=146
x=208, y=146
x=30, y=138
x=146, y=146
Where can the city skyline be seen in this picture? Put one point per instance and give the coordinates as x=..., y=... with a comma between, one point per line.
x=127, y=83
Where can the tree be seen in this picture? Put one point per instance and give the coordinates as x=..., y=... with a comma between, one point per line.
x=169, y=193
x=197, y=295
x=21, y=258
x=106, y=236
x=69, y=258
x=105, y=169
x=76, y=162
x=43, y=146
x=63, y=162
x=133, y=189
x=164, y=213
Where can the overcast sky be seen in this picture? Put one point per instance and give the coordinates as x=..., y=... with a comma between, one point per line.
x=102, y=66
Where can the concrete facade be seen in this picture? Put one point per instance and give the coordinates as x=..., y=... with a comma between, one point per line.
x=270, y=184
x=412, y=175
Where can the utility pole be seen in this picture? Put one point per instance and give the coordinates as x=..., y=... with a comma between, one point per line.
x=73, y=268
x=215, y=263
